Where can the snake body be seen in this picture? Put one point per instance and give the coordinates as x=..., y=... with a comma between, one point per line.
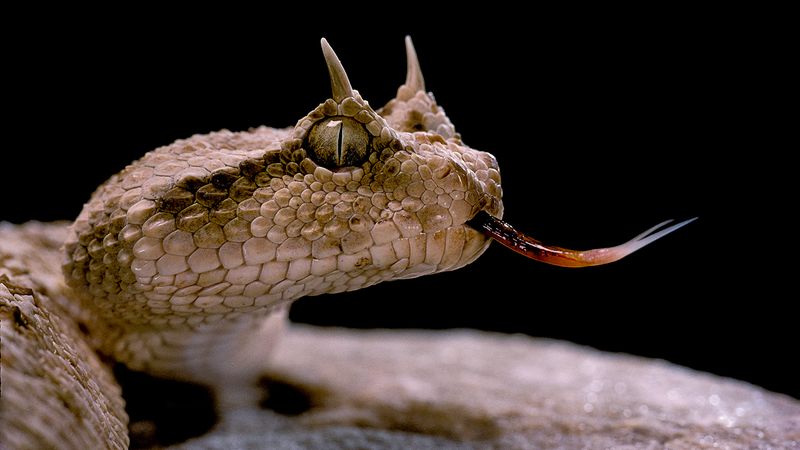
x=186, y=260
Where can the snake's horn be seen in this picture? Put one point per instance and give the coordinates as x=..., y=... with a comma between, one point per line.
x=340, y=84
x=414, y=80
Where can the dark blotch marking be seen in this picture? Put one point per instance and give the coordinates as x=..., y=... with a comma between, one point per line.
x=224, y=212
x=191, y=183
x=299, y=155
x=283, y=398
x=392, y=169
x=285, y=156
x=251, y=167
x=176, y=200
x=193, y=218
x=210, y=195
x=117, y=221
x=307, y=166
x=272, y=157
x=101, y=228
x=396, y=145
x=276, y=170
x=242, y=189
x=292, y=168
x=224, y=178
x=196, y=200
x=164, y=412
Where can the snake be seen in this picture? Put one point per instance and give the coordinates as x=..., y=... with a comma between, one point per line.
x=185, y=263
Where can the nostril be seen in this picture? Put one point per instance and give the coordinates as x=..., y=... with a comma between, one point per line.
x=485, y=203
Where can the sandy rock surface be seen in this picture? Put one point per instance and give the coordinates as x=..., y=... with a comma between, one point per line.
x=468, y=389
x=54, y=390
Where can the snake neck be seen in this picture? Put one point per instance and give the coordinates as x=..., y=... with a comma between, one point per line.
x=235, y=348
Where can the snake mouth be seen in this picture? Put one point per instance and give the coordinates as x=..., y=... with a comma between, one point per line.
x=527, y=246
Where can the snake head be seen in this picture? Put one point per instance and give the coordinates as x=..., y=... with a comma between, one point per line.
x=390, y=190
x=227, y=222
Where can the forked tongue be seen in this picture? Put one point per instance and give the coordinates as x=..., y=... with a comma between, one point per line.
x=557, y=256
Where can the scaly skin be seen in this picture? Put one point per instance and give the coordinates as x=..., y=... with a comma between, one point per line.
x=186, y=260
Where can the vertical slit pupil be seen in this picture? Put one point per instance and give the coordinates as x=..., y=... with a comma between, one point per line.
x=339, y=144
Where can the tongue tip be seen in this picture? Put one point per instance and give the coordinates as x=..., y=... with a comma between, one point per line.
x=517, y=241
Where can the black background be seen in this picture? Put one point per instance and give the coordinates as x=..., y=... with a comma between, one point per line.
x=602, y=126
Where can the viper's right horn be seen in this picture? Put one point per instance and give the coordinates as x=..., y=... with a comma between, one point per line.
x=340, y=84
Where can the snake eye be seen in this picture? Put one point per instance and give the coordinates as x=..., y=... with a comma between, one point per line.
x=338, y=142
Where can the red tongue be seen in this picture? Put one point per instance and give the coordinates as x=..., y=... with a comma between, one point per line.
x=557, y=256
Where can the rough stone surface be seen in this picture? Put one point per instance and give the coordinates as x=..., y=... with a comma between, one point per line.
x=54, y=390
x=468, y=389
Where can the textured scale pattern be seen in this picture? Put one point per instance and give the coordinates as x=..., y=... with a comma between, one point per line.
x=182, y=255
